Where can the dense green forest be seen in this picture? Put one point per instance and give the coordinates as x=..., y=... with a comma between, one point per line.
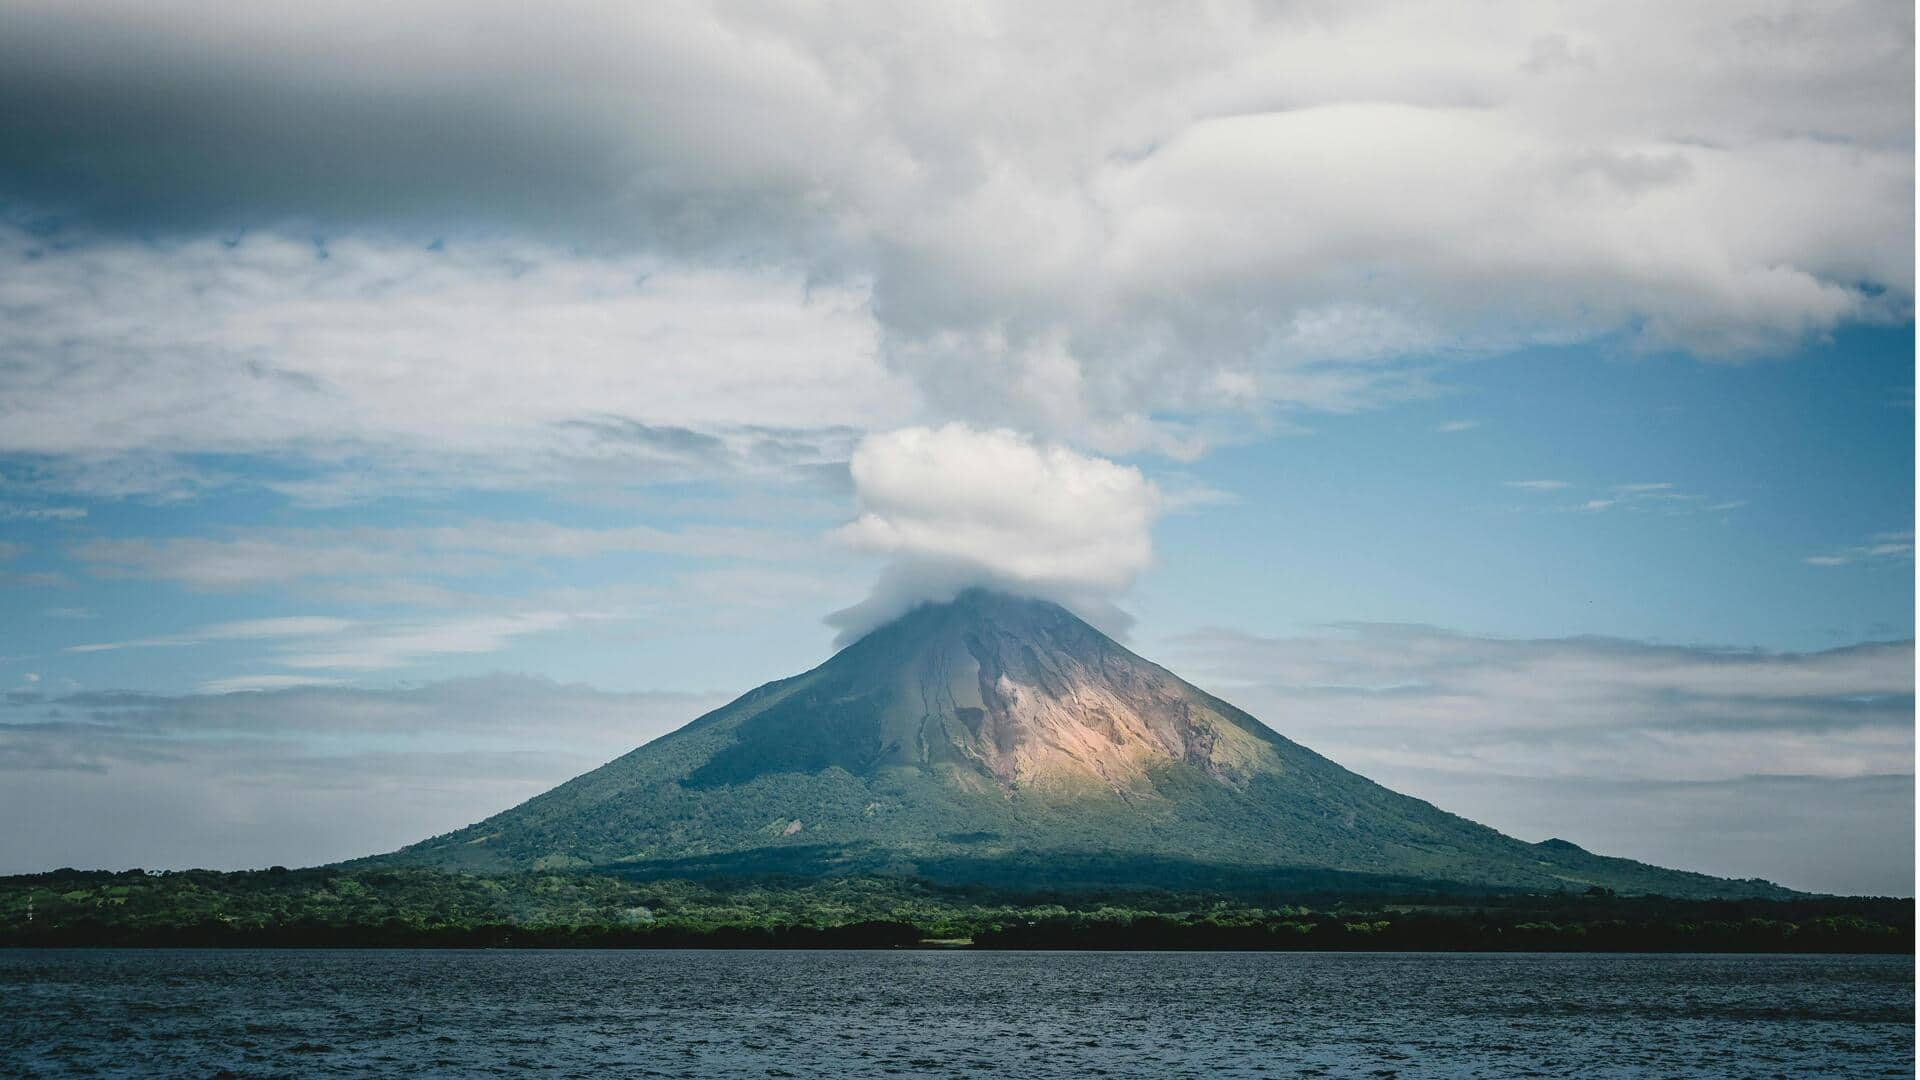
x=410, y=906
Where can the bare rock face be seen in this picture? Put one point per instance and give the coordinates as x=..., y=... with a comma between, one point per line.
x=1032, y=697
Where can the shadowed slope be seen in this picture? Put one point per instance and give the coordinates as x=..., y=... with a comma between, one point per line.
x=1002, y=739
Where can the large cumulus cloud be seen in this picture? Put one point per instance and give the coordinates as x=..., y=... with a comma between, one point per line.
x=1127, y=231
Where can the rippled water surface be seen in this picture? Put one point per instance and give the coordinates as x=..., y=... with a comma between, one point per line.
x=833, y=1014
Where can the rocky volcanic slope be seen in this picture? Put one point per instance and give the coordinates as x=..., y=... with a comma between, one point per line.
x=1004, y=741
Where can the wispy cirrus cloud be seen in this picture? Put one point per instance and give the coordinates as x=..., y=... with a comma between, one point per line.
x=16, y=512
x=381, y=646
x=294, y=626
x=1657, y=496
x=267, y=556
x=334, y=644
x=1887, y=547
x=241, y=684
x=38, y=579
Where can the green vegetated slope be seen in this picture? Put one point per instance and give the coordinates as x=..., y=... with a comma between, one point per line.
x=1004, y=741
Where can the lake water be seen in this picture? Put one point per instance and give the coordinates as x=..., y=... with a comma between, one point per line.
x=833, y=1014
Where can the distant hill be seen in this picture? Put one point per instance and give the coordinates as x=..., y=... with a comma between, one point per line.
x=1003, y=741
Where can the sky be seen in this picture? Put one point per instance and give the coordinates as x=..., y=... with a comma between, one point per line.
x=403, y=410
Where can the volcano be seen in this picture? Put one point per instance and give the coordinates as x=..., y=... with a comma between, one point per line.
x=1002, y=741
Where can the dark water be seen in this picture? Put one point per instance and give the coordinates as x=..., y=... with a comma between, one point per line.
x=834, y=1014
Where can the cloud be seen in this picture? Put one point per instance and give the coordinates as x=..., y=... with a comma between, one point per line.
x=383, y=646
x=1888, y=547
x=296, y=774
x=11, y=512
x=1659, y=497
x=293, y=626
x=1126, y=234
x=326, y=643
x=251, y=558
x=1455, y=426
x=955, y=506
x=46, y=579
x=380, y=364
x=250, y=683
x=1648, y=745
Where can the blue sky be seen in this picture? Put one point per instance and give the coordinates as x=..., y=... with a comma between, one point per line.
x=1551, y=493
x=1516, y=406
x=1392, y=517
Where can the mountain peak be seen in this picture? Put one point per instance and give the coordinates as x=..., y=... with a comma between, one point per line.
x=978, y=604
x=997, y=690
x=995, y=730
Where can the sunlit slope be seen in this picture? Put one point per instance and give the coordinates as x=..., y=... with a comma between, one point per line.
x=1004, y=740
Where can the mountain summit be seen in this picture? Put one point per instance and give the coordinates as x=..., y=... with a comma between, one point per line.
x=1001, y=740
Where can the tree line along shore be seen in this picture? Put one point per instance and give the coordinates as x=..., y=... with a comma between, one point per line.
x=341, y=908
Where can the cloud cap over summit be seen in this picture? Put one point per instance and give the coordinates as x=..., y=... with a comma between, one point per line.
x=953, y=507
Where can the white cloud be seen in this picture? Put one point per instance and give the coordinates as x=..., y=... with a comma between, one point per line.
x=383, y=646
x=267, y=556
x=1629, y=748
x=49, y=579
x=326, y=643
x=1887, y=547
x=11, y=512
x=1652, y=497
x=954, y=506
x=296, y=774
x=1577, y=707
x=1075, y=224
x=515, y=360
x=279, y=627
x=1455, y=426
x=239, y=684
x=294, y=626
